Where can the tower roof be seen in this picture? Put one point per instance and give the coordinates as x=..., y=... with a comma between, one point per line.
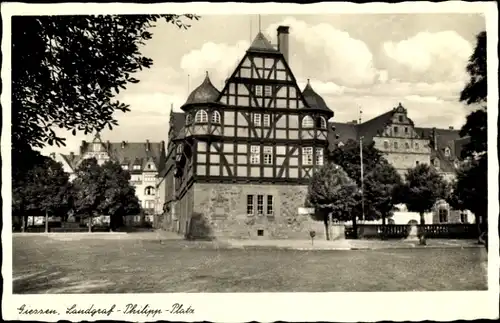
x=205, y=93
x=313, y=99
x=262, y=44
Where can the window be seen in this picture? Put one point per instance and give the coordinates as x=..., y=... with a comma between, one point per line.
x=189, y=119
x=417, y=162
x=258, y=90
x=447, y=152
x=395, y=129
x=319, y=156
x=322, y=123
x=386, y=144
x=96, y=147
x=256, y=119
x=125, y=167
x=266, y=120
x=268, y=155
x=201, y=117
x=216, y=117
x=149, y=190
x=250, y=207
x=400, y=118
x=260, y=232
x=406, y=129
x=416, y=145
x=269, y=206
x=396, y=145
x=443, y=215
x=255, y=154
x=267, y=90
x=463, y=217
x=136, y=167
x=260, y=204
x=407, y=145
x=307, y=156
x=150, y=166
x=149, y=204
x=307, y=122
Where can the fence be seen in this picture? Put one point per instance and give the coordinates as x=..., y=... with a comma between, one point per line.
x=431, y=231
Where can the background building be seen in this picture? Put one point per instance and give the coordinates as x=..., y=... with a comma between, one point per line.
x=144, y=161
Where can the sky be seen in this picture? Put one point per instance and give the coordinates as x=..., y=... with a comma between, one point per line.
x=354, y=61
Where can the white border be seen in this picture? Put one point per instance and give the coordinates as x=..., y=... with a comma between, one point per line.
x=348, y=307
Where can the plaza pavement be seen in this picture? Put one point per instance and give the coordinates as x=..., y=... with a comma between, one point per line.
x=341, y=244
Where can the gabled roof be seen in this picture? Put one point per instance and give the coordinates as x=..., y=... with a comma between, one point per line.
x=313, y=99
x=261, y=44
x=206, y=92
x=345, y=132
x=373, y=127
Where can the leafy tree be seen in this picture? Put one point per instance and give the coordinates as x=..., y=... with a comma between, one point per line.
x=66, y=71
x=470, y=190
x=88, y=189
x=422, y=189
x=120, y=198
x=333, y=195
x=379, y=185
x=104, y=190
x=379, y=178
x=43, y=189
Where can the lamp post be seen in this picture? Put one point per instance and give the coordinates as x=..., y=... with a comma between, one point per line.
x=362, y=178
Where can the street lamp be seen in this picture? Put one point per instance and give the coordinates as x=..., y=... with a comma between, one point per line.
x=362, y=178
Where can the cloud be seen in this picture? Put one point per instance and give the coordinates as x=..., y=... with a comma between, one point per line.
x=219, y=60
x=426, y=99
x=433, y=57
x=322, y=88
x=331, y=54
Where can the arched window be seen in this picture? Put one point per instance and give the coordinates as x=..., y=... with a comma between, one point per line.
x=321, y=123
x=307, y=122
x=443, y=215
x=407, y=145
x=395, y=145
x=216, y=117
x=201, y=117
x=189, y=119
x=416, y=145
x=150, y=190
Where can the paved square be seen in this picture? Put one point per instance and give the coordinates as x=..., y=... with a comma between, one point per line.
x=45, y=265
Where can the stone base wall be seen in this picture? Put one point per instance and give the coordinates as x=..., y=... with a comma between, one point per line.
x=219, y=211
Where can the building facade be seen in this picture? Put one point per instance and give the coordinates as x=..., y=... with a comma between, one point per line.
x=143, y=160
x=239, y=160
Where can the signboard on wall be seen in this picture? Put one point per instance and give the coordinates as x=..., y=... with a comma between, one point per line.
x=305, y=210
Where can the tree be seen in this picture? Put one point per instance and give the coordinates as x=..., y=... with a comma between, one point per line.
x=333, y=195
x=88, y=190
x=379, y=185
x=379, y=178
x=66, y=71
x=43, y=189
x=470, y=190
x=421, y=190
x=104, y=190
x=120, y=198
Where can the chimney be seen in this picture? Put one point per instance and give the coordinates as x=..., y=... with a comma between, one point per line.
x=123, y=144
x=147, y=145
x=451, y=127
x=283, y=41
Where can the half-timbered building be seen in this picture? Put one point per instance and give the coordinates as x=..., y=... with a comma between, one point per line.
x=241, y=158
